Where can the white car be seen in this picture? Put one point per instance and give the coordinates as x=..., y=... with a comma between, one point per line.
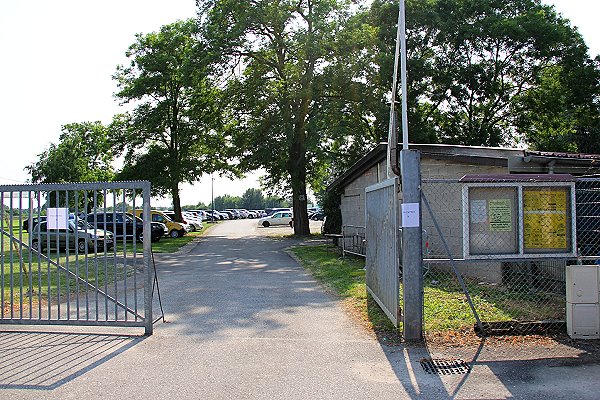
x=193, y=220
x=278, y=218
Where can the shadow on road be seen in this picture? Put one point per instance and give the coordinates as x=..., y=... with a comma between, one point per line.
x=48, y=360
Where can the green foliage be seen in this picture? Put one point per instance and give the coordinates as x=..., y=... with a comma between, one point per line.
x=83, y=154
x=331, y=207
x=477, y=66
x=227, y=201
x=276, y=202
x=199, y=206
x=558, y=114
x=252, y=199
x=172, y=134
x=293, y=94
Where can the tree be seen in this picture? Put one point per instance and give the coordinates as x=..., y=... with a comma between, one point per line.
x=83, y=154
x=473, y=63
x=199, y=206
x=253, y=199
x=560, y=114
x=172, y=135
x=282, y=50
x=226, y=202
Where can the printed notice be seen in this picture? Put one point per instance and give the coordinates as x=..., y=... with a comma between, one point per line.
x=478, y=211
x=545, y=219
x=410, y=215
x=57, y=218
x=500, y=215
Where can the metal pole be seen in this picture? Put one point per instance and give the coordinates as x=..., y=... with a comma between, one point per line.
x=148, y=317
x=212, y=199
x=402, y=29
x=392, y=129
x=412, y=258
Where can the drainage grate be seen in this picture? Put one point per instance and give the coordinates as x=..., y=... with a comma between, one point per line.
x=445, y=367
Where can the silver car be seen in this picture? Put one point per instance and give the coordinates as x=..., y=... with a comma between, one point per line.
x=79, y=235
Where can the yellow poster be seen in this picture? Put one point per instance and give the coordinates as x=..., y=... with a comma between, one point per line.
x=545, y=218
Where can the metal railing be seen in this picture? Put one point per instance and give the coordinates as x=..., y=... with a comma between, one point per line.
x=353, y=240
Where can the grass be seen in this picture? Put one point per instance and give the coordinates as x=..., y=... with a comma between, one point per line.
x=447, y=309
x=445, y=305
x=42, y=276
x=346, y=278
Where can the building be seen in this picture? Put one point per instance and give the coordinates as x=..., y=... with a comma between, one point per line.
x=442, y=166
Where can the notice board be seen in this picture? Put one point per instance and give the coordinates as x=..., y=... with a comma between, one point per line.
x=519, y=219
x=546, y=219
x=493, y=220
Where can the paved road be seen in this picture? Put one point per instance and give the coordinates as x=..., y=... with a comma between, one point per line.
x=246, y=322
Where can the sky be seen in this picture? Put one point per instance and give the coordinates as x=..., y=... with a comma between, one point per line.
x=58, y=58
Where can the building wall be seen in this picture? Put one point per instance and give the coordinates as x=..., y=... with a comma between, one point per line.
x=353, y=199
x=445, y=199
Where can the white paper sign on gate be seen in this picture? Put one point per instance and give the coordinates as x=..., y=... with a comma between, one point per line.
x=410, y=215
x=57, y=218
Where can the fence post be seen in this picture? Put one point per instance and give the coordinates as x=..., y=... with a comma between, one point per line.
x=149, y=284
x=412, y=257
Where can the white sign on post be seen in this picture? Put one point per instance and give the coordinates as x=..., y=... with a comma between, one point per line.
x=57, y=218
x=410, y=215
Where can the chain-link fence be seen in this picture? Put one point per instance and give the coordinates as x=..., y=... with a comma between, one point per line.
x=588, y=218
x=509, y=242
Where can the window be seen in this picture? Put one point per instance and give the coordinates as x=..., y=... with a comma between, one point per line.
x=157, y=218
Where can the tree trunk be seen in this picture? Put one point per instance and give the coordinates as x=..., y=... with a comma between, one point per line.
x=301, y=223
x=297, y=171
x=176, y=203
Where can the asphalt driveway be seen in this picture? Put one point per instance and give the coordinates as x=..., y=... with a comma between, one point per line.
x=245, y=321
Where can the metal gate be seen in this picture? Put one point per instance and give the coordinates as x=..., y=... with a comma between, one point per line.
x=60, y=266
x=382, y=258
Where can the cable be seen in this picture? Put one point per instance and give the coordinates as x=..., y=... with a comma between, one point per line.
x=155, y=285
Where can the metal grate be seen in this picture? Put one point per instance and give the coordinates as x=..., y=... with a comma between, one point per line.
x=445, y=367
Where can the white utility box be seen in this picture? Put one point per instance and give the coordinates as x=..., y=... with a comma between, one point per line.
x=582, y=284
x=583, y=309
x=583, y=321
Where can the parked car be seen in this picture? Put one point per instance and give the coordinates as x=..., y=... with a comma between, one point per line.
x=229, y=214
x=252, y=214
x=189, y=227
x=78, y=235
x=271, y=211
x=236, y=213
x=244, y=213
x=119, y=223
x=34, y=221
x=221, y=215
x=157, y=229
x=318, y=216
x=201, y=214
x=175, y=228
x=279, y=218
x=193, y=220
x=260, y=213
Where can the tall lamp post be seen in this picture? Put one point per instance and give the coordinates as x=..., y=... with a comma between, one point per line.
x=212, y=198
